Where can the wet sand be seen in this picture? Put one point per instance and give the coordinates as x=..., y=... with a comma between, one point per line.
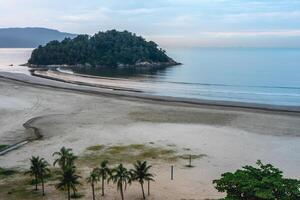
x=230, y=136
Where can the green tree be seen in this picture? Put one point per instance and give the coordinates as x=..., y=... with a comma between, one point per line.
x=34, y=170
x=103, y=172
x=109, y=48
x=263, y=183
x=92, y=179
x=43, y=170
x=141, y=174
x=65, y=157
x=122, y=177
x=68, y=180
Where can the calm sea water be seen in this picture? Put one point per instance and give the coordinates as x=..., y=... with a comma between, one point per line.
x=14, y=57
x=269, y=76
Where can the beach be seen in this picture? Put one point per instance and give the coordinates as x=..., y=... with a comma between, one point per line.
x=223, y=138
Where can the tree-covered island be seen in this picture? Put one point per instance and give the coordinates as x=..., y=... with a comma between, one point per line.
x=104, y=49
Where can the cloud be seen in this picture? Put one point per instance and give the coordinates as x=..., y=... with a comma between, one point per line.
x=196, y=22
x=181, y=21
x=86, y=16
x=276, y=33
x=136, y=11
x=103, y=14
x=275, y=38
x=254, y=16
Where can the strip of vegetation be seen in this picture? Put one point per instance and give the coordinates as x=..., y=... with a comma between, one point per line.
x=3, y=146
x=264, y=182
x=126, y=154
x=18, y=189
x=7, y=172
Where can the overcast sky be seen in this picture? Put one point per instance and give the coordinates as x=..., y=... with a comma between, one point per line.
x=237, y=23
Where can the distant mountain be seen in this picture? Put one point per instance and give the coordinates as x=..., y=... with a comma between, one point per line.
x=29, y=37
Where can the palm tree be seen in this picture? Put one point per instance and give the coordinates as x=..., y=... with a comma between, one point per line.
x=121, y=176
x=43, y=170
x=92, y=179
x=34, y=170
x=65, y=157
x=141, y=174
x=68, y=179
x=103, y=172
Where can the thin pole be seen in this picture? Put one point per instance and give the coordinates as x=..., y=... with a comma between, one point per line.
x=172, y=172
x=190, y=161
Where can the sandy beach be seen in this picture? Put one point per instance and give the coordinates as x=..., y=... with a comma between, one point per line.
x=79, y=116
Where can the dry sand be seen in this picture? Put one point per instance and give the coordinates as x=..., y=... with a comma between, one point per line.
x=230, y=138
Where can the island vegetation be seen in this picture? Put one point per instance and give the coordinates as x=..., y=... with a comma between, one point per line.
x=104, y=49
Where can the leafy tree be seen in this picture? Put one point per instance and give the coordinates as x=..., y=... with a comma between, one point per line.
x=92, y=179
x=43, y=170
x=263, y=183
x=66, y=161
x=65, y=157
x=38, y=169
x=122, y=177
x=103, y=172
x=111, y=48
x=68, y=180
x=34, y=170
x=141, y=174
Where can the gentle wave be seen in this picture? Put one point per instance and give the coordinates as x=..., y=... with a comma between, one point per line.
x=226, y=85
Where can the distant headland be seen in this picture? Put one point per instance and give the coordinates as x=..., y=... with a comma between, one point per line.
x=104, y=49
x=30, y=37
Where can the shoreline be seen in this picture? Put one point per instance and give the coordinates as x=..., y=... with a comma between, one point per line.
x=116, y=91
x=81, y=117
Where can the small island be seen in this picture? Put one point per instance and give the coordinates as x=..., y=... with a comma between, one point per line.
x=113, y=49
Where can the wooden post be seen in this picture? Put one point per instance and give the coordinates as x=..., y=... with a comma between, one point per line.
x=190, y=161
x=148, y=188
x=172, y=172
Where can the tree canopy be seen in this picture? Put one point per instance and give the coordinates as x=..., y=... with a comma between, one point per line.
x=111, y=48
x=263, y=183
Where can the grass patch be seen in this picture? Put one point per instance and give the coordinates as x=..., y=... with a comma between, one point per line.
x=7, y=172
x=131, y=153
x=54, y=175
x=187, y=156
x=95, y=148
x=127, y=154
x=3, y=146
x=18, y=186
x=18, y=189
x=77, y=196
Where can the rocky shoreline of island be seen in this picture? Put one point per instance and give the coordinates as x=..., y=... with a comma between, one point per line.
x=139, y=66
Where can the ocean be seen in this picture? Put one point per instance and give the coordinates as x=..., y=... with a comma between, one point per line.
x=253, y=75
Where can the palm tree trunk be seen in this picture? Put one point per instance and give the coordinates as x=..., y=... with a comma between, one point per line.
x=102, y=185
x=36, y=182
x=74, y=193
x=121, y=191
x=93, y=188
x=143, y=191
x=69, y=196
x=42, y=179
x=148, y=188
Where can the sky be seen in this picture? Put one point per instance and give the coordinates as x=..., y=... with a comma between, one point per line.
x=175, y=23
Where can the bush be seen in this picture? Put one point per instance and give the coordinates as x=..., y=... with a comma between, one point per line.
x=263, y=183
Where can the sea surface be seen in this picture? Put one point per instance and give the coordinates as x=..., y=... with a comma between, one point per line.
x=254, y=75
